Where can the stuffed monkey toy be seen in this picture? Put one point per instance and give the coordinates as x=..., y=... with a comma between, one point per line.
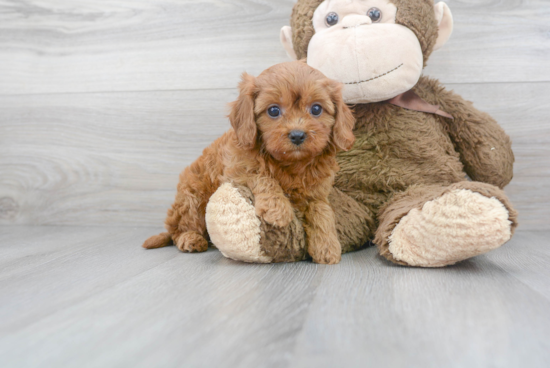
x=423, y=181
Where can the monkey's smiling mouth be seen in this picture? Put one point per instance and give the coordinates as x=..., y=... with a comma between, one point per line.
x=378, y=76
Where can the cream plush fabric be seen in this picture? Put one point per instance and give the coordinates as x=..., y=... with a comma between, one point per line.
x=233, y=226
x=371, y=73
x=454, y=227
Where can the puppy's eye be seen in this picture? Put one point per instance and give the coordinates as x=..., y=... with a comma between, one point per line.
x=274, y=111
x=374, y=14
x=316, y=110
x=331, y=19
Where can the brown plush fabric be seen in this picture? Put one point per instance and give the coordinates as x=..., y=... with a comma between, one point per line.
x=354, y=222
x=485, y=149
x=302, y=25
x=286, y=244
x=419, y=17
x=396, y=148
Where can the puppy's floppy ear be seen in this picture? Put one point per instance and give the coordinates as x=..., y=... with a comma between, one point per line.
x=242, y=113
x=342, y=132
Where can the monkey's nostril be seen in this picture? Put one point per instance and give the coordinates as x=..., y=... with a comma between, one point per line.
x=297, y=137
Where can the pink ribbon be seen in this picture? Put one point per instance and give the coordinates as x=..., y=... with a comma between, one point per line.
x=411, y=101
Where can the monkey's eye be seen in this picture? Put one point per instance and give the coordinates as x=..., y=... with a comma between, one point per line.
x=374, y=14
x=331, y=19
x=316, y=110
x=274, y=111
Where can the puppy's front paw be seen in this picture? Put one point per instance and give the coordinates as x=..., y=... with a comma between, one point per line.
x=275, y=211
x=326, y=251
x=328, y=258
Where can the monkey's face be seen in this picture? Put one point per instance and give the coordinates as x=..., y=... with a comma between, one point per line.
x=359, y=44
x=365, y=45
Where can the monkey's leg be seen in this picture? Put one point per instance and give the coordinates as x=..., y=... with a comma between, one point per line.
x=239, y=234
x=354, y=222
x=436, y=226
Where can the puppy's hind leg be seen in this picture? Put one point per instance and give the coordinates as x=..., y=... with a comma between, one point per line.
x=188, y=242
x=191, y=242
x=185, y=221
x=185, y=225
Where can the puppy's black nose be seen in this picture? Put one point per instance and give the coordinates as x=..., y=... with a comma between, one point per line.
x=297, y=137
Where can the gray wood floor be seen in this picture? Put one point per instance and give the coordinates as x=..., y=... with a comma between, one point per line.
x=91, y=297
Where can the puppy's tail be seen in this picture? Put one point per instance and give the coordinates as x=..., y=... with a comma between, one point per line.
x=158, y=241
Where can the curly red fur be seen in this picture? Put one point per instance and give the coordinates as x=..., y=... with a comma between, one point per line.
x=257, y=152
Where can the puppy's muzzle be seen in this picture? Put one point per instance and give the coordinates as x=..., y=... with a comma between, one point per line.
x=297, y=137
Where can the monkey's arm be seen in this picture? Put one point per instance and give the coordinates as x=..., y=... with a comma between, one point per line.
x=485, y=149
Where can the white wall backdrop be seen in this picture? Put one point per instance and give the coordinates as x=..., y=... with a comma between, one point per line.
x=103, y=103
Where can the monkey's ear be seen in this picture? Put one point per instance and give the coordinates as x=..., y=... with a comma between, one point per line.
x=242, y=116
x=342, y=132
x=286, y=40
x=444, y=20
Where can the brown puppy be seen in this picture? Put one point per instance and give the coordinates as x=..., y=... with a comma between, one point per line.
x=288, y=125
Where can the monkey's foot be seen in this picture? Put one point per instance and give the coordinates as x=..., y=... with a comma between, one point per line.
x=239, y=234
x=456, y=226
x=233, y=226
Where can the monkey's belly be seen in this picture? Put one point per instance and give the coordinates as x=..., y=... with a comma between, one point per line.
x=387, y=161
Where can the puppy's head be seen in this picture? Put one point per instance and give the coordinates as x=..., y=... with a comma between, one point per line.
x=293, y=111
